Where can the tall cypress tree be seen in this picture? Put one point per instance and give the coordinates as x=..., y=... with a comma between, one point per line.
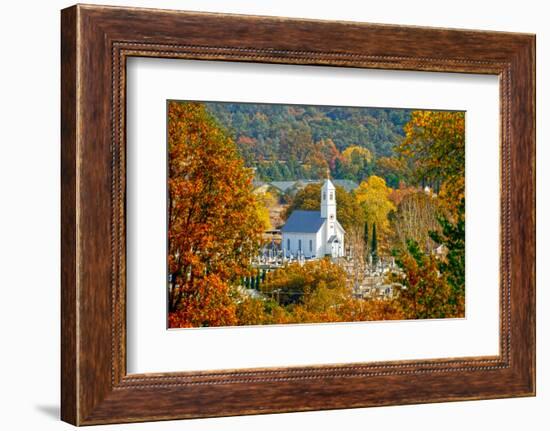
x=366, y=239
x=374, y=245
x=258, y=281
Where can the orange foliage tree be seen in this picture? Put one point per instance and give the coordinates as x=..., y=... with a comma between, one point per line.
x=214, y=226
x=315, y=292
x=295, y=283
x=425, y=293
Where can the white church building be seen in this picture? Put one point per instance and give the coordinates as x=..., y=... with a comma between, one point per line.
x=315, y=234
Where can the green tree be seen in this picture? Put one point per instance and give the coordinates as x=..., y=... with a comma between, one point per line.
x=374, y=245
x=258, y=281
x=366, y=237
x=453, y=265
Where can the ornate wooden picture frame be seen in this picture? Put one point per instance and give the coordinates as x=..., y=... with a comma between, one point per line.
x=96, y=41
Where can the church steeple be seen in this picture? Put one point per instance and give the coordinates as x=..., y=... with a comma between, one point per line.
x=328, y=200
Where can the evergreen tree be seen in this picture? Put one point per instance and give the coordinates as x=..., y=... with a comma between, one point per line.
x=366, y=238
x=452, y=237
x=286, y=175
x=258, y=281
x=374, y=245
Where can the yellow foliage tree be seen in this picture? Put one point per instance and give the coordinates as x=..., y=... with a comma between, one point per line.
x=435, y=145
x=374, y=197
x=356, y=159
x=356, y=153
x=265, y=201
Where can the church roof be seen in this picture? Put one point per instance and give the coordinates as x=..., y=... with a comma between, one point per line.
x=304, y=222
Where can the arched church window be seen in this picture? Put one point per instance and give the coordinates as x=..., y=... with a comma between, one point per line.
x=324, y=196
x=331, y=196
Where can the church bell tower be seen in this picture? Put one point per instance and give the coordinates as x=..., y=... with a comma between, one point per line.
x=328, y=206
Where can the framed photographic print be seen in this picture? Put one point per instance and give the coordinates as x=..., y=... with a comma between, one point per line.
x=265, y=215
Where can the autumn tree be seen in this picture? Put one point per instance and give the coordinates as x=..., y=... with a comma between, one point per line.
x=425, y=293
x=296, y=283
x=330, y=152
x=318, y=291
x=246, y=146
x=297, y=143
x=307, y=198
x=261, y=311
x=398, y=194
x=265, y=200
x=315, y=165
x=361, y=310
x=357, y=160
x=415, y=217
x=214, y=226
x=434, y=286
x=394, y=170
x=434, y=144
x=373, y=196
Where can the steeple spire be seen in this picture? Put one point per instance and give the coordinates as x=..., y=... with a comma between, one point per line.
x=328, y=199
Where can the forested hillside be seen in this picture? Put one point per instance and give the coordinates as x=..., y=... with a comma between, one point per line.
x=290, y=142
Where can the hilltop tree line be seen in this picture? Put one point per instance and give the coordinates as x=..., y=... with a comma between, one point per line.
x=290, y=142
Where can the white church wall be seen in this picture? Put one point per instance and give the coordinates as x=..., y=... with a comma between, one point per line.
x=319, y=246
x=340, y=235
x=295, y=237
